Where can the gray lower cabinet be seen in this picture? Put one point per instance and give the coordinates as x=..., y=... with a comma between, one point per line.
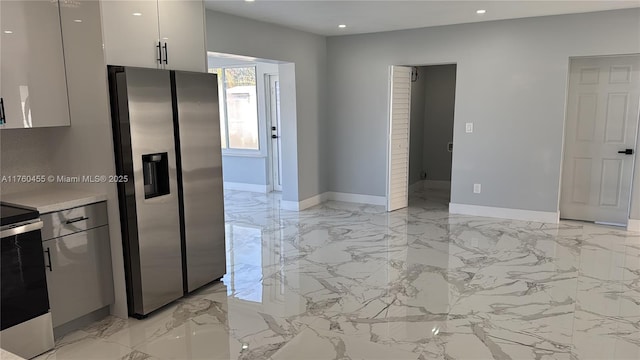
x=79, y=276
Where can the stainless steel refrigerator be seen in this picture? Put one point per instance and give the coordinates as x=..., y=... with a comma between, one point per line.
x=166, y=130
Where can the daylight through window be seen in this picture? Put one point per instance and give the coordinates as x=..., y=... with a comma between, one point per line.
x=238, y=107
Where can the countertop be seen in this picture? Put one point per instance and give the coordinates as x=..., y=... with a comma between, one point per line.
x=51, y=199
x=5, y=355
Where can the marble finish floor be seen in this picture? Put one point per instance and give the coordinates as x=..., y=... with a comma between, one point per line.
x=349, y=281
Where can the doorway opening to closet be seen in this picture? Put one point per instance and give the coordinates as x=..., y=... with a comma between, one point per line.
x=421, y=133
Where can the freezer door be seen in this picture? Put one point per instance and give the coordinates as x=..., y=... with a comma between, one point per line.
x=198, y=123
x=152, y=224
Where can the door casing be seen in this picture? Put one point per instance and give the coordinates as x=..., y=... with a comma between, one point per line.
x=633, y=189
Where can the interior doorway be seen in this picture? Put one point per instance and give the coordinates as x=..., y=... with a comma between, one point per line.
x=601, y=132
x=422, y=107
x=251, y=128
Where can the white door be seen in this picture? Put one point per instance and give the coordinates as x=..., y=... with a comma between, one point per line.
x=398, y=159
x=274, y=132
x=602, y=123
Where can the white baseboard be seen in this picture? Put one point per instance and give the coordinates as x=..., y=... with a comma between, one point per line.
x=304, y=204
x=312, y=201
x=332, y=196
x=633, y=225
x=437, y=184
x=355, y=198
x=505, y=213
x=263, y=189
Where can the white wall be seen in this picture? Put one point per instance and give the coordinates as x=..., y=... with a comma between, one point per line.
x=511, y=83
x=303, y=81
x=439, y=104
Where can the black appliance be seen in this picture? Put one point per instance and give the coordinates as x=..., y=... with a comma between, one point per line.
x=26, y=327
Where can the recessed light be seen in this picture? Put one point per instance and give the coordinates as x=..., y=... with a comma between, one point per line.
x=481, y=11
x=249, y=0
x=8, y=32
x=137, y=14
x=342, y=26
x=77, y=20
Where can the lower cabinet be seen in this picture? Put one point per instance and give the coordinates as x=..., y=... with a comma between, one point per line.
x=79, y=277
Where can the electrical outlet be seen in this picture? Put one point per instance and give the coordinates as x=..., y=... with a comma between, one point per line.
x=477, y=188
x=469, y=128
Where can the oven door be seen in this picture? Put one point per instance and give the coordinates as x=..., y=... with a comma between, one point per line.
x=24, y=284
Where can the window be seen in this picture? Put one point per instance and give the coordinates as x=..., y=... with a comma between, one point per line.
x=238, y=108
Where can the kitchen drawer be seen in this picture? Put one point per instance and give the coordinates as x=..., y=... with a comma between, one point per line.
x=79, y=276
x=65, y=222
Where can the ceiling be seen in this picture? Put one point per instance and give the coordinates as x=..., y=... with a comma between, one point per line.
x=365, y=16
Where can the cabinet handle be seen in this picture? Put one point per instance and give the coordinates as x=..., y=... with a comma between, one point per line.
x=3, y=119
x=49, y=257
x=166, y=54
x=159, y=46
x=81, y=218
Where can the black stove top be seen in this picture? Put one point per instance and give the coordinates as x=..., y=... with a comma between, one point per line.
x=10, y=214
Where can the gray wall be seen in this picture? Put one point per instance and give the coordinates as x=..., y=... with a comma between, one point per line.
x=635, y=195
x=416, y=128
x=511, y=83
x=245, y=169
x=302, y=82
x=439, y=103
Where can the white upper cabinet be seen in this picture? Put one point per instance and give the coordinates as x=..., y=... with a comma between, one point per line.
x=182, y=32
x=32, y=73
x=130, y=32
x=164, y=34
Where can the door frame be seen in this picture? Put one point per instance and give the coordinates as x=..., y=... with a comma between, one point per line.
x=388, y=138
x=270, y=151
x=564, y=134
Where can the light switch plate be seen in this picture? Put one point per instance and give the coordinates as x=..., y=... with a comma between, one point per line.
x=469, y=127
x=477, y=188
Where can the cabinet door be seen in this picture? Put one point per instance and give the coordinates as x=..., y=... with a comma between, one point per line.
x=80, y=279
x=130, y=32
x=182, y=30
x=32, y=75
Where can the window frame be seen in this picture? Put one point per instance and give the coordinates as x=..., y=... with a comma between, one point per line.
x=228, y=151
